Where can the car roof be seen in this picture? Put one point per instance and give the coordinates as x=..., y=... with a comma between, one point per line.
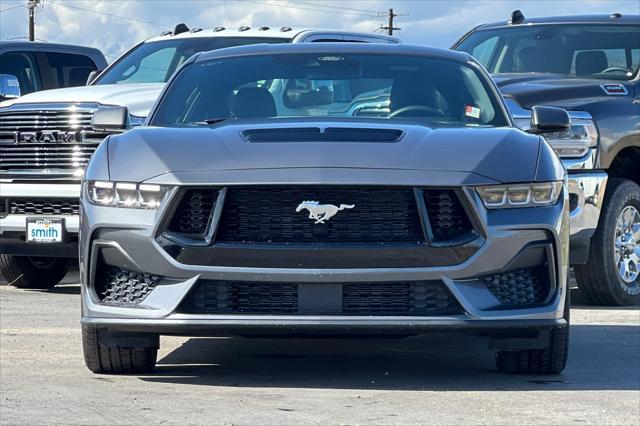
x=37, y=46
x=285, y=33
x=614, y=18
x=333, y=48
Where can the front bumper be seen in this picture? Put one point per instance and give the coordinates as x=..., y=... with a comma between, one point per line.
x=127, y=238
x=13, y=226
x=586, y=195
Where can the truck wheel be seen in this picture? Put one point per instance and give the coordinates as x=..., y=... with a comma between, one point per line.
x=33, y=272
x=549, y=360
x=612, y=274
x=103, y=359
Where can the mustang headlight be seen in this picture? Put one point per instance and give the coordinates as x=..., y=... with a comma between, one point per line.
x=520, y=195
x=126, y=194
x=572, y=143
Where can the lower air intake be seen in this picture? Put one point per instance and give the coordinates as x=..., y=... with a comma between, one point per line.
x=520, y=287
x=424, y=298
x=122, y=287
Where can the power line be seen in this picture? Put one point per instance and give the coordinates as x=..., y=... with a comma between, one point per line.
x=111, y=15
x=341, y=7
x=290, y=6
x=13, y=7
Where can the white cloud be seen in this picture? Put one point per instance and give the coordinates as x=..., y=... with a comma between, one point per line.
x=432, y=22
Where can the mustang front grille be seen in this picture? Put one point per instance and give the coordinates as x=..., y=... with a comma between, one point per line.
x=371, y=215
x=422, y=298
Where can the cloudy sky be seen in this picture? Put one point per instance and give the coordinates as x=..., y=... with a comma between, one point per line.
x=115, y=25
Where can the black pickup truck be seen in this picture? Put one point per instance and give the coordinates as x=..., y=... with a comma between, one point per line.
x=587, y=65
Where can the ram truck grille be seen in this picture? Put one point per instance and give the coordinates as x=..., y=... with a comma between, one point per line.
x=43, y=206
x=47, y=140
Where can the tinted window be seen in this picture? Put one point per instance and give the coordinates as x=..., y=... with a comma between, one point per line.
x=23, y=66
x=595, y=51
x=388, y=87
x=155, y=62
x=67, y=69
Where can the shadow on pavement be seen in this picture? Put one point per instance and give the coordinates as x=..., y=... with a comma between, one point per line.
x=601, y=358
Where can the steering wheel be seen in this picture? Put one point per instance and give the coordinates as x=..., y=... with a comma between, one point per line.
x=611, y=69
x=425, y=111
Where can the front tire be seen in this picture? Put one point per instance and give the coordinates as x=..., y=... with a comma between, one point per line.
x=115, y=359
x=549, y=360
x=33, y=272
x=612, y=274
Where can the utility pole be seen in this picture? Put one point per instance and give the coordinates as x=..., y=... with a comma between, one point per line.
x=31, y=5
x=389, y=28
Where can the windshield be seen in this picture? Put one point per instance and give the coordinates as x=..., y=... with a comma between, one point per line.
x=591, y=51
x=155, y=62
x=435, y=91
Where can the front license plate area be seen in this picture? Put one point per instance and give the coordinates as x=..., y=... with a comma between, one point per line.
x=45, y=230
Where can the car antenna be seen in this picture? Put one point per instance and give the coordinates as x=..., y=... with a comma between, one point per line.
x=180, y=28
x=517, y=17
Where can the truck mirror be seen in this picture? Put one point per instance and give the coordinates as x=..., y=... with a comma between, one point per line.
x=9, y=87
x=110, y=119
x=545, y=119
x=92, y=76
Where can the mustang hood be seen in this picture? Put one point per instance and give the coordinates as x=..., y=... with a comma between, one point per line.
x=551, y=89
x=139, y=98
x=478, y=154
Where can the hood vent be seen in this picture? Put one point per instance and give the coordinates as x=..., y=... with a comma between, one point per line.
x=330, y=134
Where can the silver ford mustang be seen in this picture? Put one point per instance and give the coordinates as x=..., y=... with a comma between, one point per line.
x=326, y=189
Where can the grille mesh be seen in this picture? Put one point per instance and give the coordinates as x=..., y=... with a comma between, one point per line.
x=425, y=298
x=193, y=213
x=69, y=144
x=119, y=286
x=448, y=218
x=36, y=206
x=264, y=215
x=520, y=287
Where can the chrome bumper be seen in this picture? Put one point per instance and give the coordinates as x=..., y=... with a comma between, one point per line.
x=17, y=222
x=586, y=192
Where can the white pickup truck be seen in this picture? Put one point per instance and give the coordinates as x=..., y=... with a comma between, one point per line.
x=46, y=140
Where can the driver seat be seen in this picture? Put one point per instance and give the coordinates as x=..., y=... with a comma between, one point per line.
x=413, y=91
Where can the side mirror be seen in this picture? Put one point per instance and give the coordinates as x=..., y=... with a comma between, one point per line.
x=92, y=76
x=9, y=87
x=545, y=119
x=110, y=119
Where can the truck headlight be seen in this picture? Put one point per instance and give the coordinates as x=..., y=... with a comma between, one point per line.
x=520, y=195
x=126, y=194
x=572, y=143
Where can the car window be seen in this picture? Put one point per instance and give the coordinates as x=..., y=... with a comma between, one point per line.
x=155, y=62
x=66, y=69
x=23, y=66
x=576, y=50
x=389, y=87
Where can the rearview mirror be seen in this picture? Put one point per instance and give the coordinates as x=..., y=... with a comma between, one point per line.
x=110, y=119
x=9, y=87
x=545, y=119
x=92, y=76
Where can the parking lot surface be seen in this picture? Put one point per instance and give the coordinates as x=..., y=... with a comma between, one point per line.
x=426, y=379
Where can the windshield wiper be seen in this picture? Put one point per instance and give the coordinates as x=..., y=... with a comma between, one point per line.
x=212, y=120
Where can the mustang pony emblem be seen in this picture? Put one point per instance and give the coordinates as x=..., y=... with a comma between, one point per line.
x=322, y=212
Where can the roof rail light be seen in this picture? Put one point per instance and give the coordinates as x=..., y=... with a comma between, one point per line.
x=244, y=28
x=616, y=15
x=263, y=28
x=517, y=17
x=166, y=33
x=285, y=29
x=180, y=28
x=196, y=30
x=218, y=29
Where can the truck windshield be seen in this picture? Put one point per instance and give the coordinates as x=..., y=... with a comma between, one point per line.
x=439, y=92
x=585, y=51
x=154, y=62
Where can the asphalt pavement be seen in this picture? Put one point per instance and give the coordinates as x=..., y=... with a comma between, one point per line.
x=421, y=380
